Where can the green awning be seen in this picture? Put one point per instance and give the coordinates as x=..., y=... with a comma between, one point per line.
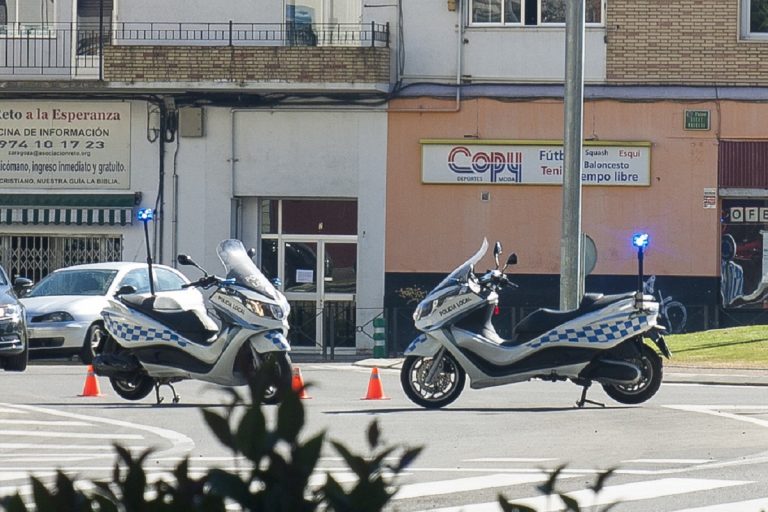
x=77, y=209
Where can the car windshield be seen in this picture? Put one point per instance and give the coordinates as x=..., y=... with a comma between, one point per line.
x=461, y=273
x=74, y=282
x=242, y=269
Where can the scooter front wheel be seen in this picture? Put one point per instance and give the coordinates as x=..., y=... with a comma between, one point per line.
x=446, y=386
x=280, y=378
x=651, y=372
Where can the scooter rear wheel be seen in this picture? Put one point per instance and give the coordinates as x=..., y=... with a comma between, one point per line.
x=134, y=387
x=651, y=372
x=446, y=387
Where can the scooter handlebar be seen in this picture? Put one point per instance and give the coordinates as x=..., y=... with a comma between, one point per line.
x=204, y=282
x=496, y=278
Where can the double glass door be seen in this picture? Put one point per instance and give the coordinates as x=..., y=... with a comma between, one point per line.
x=318, y=271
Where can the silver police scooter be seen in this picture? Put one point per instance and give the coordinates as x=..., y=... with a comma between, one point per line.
x=154, y=341
x=600, y=341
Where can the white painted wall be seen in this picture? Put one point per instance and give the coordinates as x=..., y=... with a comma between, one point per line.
x=308, y=153
x=305, y=153
x=322, y=153
x=498, y=54
x=241, y=11
x=203, y=173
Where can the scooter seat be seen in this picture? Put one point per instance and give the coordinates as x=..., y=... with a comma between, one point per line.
x=543, y=320
x=192, y=324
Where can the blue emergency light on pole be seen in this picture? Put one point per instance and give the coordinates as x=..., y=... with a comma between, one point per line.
x=145, y=215
x=640, y=240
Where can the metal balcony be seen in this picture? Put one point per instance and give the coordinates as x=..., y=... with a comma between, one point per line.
x=57, y=51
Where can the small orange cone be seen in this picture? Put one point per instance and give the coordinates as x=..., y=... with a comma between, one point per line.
x=375, y=389
x=91, y=387
x=297, y=384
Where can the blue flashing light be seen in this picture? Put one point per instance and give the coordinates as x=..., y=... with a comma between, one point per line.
x=640, y=240
x=145, y=214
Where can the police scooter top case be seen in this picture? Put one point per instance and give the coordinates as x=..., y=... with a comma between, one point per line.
x=154, y=340
x=600, y=341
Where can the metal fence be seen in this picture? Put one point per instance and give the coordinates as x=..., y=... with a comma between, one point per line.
x=35, y=256
x=72, y=49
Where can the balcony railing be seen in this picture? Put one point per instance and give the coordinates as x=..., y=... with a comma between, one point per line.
x=77, y=50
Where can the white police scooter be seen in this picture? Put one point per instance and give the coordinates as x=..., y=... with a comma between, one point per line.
x=154, y=340
x=600, y=341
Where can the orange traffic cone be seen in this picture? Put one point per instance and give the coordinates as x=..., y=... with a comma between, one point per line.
x=297, y=384
x=91, y=387
x=375, y=389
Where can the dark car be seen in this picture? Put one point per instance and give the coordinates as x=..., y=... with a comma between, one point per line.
x=14, y=349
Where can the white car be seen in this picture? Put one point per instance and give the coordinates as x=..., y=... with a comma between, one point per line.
x=64, y=309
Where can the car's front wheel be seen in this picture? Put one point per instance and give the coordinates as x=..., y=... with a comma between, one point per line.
x=91, y=342
x=17, y=363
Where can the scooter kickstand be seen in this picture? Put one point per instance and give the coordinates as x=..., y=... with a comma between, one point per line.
x=176, y=397
x=583, y=400
x=157, y=393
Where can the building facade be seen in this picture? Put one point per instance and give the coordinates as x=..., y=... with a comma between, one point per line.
x=366, y=148
x=674, y=145
x=268, y=125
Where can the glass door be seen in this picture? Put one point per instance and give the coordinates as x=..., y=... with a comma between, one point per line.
x=319, y=280
x=311, y=246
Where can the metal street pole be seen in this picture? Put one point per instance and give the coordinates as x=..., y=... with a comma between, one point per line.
x=571, y=275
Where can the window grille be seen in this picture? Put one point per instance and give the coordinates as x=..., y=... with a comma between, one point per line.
x=34, y=257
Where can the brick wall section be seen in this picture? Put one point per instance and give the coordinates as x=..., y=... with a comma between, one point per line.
x=246, y=64
x=681, y=42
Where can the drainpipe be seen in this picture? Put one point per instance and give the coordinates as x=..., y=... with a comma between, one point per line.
x=459, y=65
x=159, y=202
x=101, y=40
x=235, y=203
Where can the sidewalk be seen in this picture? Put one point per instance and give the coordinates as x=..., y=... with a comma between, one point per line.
x=672, y=373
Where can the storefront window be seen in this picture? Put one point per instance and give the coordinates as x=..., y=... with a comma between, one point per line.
x=319, y=217
x=744, y=254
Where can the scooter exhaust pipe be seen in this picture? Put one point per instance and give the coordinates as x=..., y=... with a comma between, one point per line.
x=615, y=372
x=113, y=365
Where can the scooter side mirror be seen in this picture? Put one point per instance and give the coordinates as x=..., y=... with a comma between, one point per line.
x=183, y=259
x=126, y=289
x=251, y=252
x=497, y=252
x=511, y=260
x=21, y=286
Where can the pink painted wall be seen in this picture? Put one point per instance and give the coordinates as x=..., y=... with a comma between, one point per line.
x=433, y=228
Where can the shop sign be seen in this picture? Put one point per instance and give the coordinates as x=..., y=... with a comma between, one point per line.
x=697, y=119
x=65, y=145
x=532, y=163
x=749, y=214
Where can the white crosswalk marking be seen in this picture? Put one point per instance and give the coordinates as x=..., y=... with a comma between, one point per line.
x=610, y=494
x=45, y=423
x=509, y=459
x=667, y=461
x=342, y=477
x=758, y=505
x=466, y=484
x=73, y=435
x=49, y=446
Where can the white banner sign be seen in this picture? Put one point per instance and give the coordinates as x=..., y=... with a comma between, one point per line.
x=533, y=164
x=83, y=145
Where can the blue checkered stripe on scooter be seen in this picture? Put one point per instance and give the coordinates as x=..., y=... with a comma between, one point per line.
x=601, y=333
x=130, y=332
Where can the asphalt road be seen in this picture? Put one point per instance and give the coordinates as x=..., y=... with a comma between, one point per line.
x=693, y=447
